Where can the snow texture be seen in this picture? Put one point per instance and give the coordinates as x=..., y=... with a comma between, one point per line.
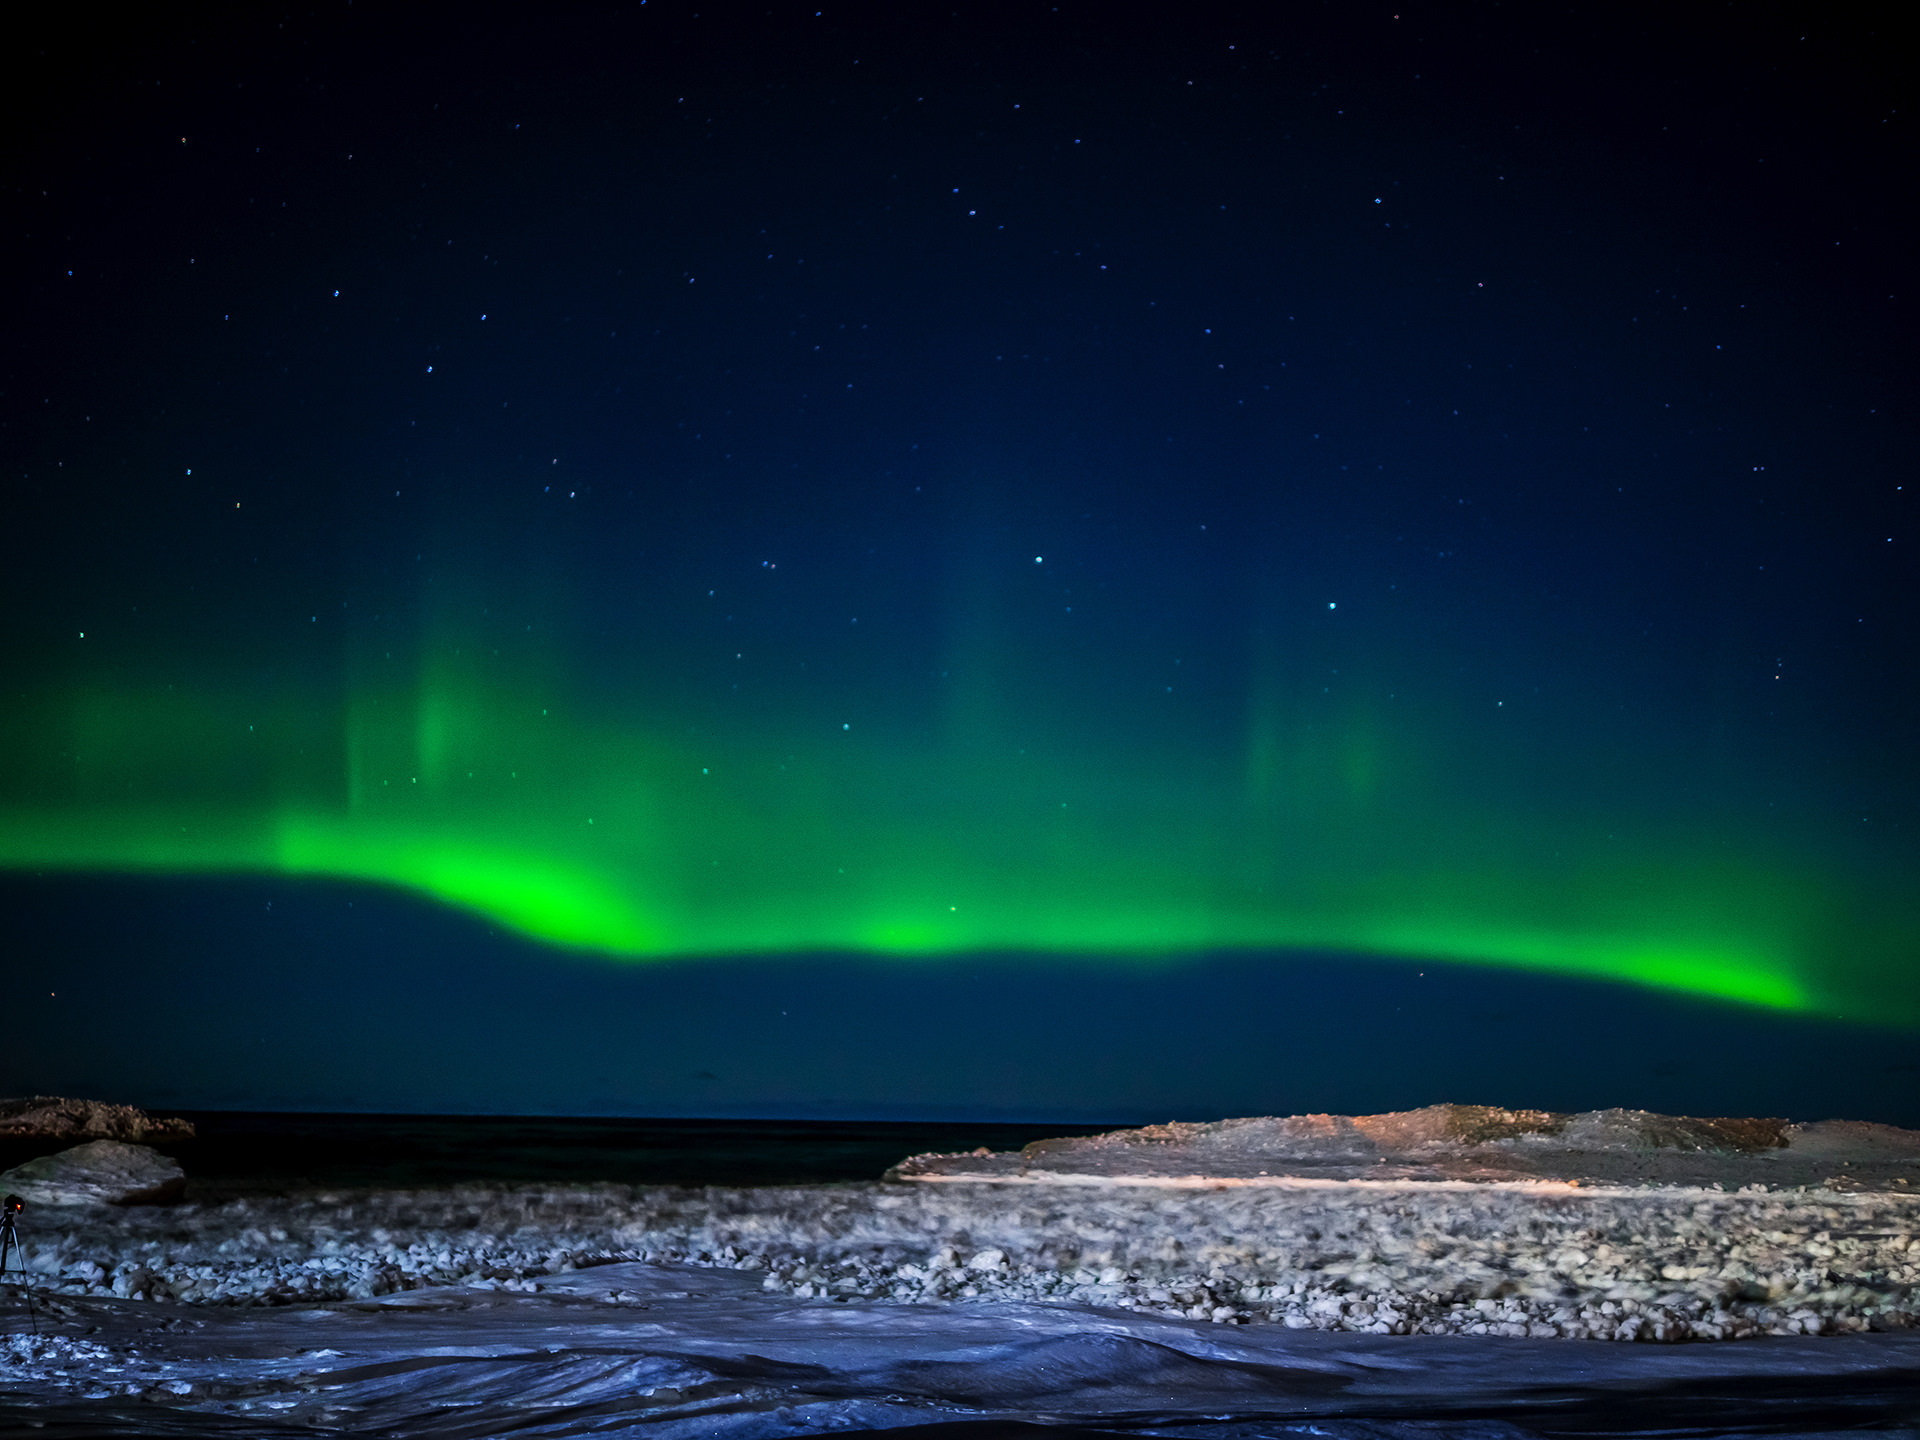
x=677, y=1351
x=1657, y=1264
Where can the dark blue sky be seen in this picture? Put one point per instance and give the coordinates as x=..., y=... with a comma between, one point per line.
x=1420, y=485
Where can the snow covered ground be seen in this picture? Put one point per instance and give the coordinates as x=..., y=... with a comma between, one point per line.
x=633, y=1349
x=1349, y=1310
x=1649, y=1264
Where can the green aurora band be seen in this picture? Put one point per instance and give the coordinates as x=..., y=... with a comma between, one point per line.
x=637, y=840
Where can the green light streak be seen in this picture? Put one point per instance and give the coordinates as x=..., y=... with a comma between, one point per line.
x=611, y=838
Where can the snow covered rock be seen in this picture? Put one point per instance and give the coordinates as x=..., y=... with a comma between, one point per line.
x=1455, y=1143
x=59, y=1117
x=101, y=1172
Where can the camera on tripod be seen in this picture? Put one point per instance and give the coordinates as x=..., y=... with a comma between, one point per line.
x=11, y=1248
x=9, y=1236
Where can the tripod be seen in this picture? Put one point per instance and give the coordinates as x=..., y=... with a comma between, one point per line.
x=10, y=1245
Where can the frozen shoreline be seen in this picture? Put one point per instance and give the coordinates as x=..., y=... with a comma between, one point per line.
x=1668, y=1263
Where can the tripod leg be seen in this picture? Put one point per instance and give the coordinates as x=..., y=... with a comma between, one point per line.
x=10, y=1240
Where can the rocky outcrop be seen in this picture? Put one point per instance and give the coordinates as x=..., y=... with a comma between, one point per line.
x=1480, y=1143
x=101, y=1172
x=59, y=1117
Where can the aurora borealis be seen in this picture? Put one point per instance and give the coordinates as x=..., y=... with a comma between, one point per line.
x=839, y=486
x=1327, y=832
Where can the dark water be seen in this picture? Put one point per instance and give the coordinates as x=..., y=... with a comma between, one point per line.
x=260, y=1150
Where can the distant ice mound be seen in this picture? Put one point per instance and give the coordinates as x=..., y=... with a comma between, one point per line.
x=101, y=1172
x=1481, y=1144
x=59, y=1117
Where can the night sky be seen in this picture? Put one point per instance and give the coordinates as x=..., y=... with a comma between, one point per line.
x=1026, y=561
